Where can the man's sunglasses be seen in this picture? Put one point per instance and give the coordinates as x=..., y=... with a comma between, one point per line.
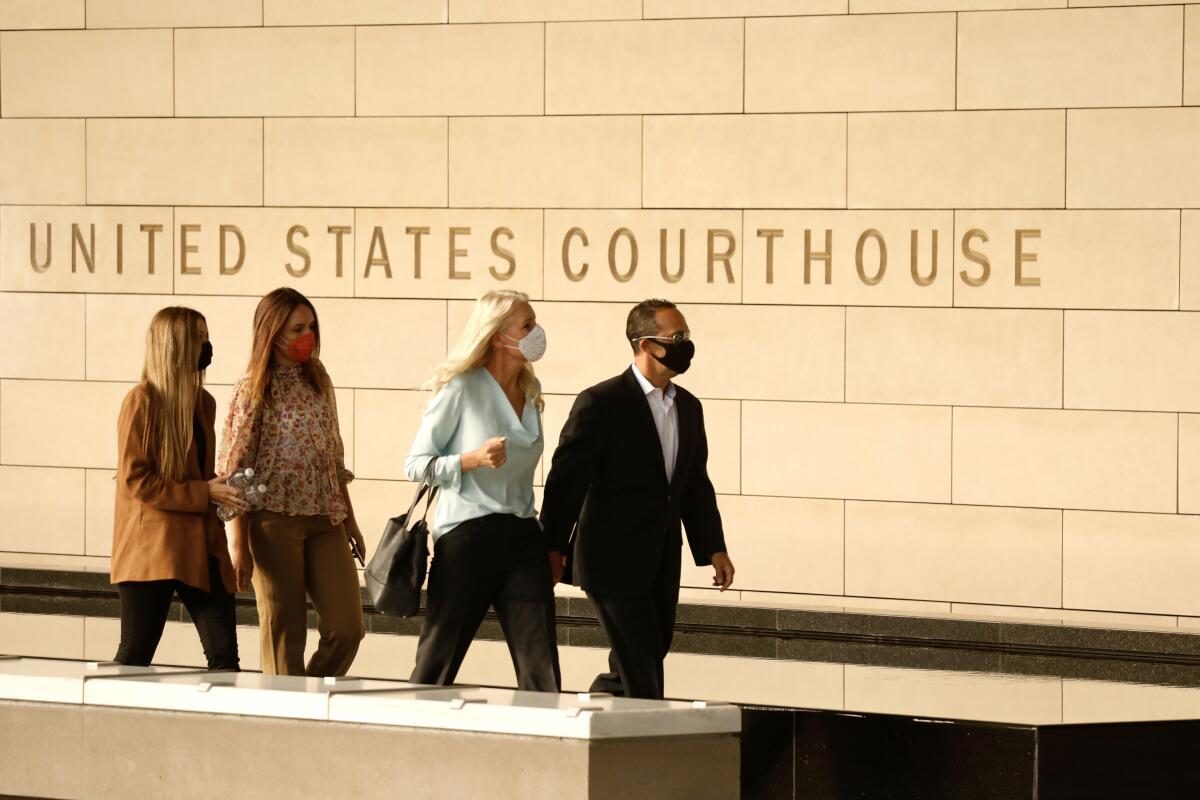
x=677, y=338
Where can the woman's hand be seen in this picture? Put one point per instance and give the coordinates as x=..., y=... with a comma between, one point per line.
x=243, y=566
x=223, y=494
x=356, y=536
x=493, y=453
x=239, y=554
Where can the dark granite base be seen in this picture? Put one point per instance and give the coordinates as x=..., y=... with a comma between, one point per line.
x=835, y=636
x=832, y=755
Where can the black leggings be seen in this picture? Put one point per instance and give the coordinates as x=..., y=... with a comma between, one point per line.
x=144, y=609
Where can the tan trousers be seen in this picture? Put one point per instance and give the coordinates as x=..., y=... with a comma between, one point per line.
x=295, y=557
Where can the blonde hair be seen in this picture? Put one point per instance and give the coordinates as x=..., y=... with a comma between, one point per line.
x=172, y=355
x=489, y=316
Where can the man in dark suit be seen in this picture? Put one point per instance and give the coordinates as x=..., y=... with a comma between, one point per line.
x=630, y=466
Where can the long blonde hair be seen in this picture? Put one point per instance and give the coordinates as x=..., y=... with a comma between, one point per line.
x=172, y=355
x=492, y=311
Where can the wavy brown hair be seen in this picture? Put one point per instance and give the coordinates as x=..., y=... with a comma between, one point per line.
x=169, y=373
x=270, y=318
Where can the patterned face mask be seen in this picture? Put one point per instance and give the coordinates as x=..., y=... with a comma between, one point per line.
x=533, y=346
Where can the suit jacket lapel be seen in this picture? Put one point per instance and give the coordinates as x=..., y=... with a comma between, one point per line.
x=687, y=417
x=642, y=412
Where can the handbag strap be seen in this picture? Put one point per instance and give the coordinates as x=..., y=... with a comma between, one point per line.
x=426, y=487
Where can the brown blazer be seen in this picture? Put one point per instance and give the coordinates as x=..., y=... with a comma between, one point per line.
x=164, y=529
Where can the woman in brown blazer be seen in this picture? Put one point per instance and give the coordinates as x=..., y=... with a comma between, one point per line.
x=167, y=537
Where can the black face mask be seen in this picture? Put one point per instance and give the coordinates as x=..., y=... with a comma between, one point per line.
x=205, y=355
x=678, y=356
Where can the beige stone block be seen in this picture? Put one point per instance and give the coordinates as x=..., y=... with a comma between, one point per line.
x=375, y=502
x=42, y=635
x=1132, y=360
x=356, y=162
x=117, y=325
x=450, y=70
x=885, y=62
x=600, y=67
x=42, y=510
x=100, y=494
x=858, y=258
x=1131, y=562
x=386, y=656
x=1191, y=55
x=740, y=8
x=1067, y=616
x=54, y=561
x=543, y=10
x=870, y=452
x=1104, y=702
x=708, y=595
x=630, y=254
x=42, y=161
x=1189, y=260
x=488, y=663
x=387, y=422
x=953, y=695
x=1133, y=158
x=580, y=666
x=173, y=13
x=31, y=14
x=896, y=6
x=732, y=361
x=723, y=427
x=86, y=73
x=1079, y=259
x=353, y=12
x=957, y=553
x=382, y=344
x=843, y=603
x=1119, y=461
x=179, y=646
x=1048, y=59
x=60, y=423
x=745, y=161
x=439, y=253
x=753, y=680
x=944, y=356
x=955, y=159
x=1086, y=3
x=268, y=72
x=43, y=334
x=1189, y=463
x=551, y=162
x=759, y=529
x=251, y=251
x=175, y=161
x=586, y=342
x=86, y=249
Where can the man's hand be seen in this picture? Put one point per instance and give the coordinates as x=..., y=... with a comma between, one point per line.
x=722, y=570
x=558, y=563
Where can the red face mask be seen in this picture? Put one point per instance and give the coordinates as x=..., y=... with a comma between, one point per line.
x=301, y=348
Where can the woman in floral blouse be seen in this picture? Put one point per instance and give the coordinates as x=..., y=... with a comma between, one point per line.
x=283, y=422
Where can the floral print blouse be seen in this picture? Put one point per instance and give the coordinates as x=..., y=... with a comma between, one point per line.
x=293, y=443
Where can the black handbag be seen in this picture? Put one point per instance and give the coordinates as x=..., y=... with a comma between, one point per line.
x=396, y=572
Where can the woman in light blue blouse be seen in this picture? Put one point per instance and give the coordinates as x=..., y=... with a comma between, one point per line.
x=479, y=442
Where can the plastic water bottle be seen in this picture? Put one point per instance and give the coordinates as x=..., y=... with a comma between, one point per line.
x=253, y=494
